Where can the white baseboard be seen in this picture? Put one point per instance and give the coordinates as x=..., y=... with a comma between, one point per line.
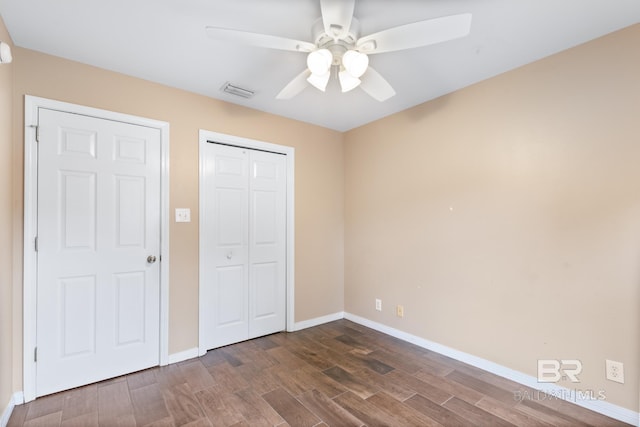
x=16, y=399
x=318, y=321
x=6, y=414
x=183, y=355
x=600, y=406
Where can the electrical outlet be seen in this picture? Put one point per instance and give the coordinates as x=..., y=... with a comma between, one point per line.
x=399, y=311
x=615, y=371
x=378, y=304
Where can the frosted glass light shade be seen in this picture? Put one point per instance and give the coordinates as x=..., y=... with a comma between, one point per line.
x=319, y=81
x=347, y=81
x=319, y=61
x=355, y=63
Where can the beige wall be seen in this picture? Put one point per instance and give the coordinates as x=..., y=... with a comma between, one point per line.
x=6, y=84
x=318, y=179
x=505, y=217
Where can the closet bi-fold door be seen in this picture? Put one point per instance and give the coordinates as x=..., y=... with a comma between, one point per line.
x=244, y=238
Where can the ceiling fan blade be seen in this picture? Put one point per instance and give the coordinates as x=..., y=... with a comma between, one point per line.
x=337, y=16
x=295, y=86
x=376, y=86
x=418, y=34
x=260, y=40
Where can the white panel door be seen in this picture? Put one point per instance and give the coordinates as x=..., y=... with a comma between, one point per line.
x=98, y=294
x=244, y=244
x=267, y=243
x=226, y=250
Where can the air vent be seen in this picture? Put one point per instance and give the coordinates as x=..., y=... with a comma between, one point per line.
x=237, y=90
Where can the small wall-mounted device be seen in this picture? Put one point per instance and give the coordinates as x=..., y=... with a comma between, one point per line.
x=5, y=53
x=183, y=215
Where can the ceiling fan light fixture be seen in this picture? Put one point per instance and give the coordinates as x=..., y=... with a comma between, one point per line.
x=348, y=81
x=337, y=44
x=319, y=81
x=355, y=63
x=319, y=61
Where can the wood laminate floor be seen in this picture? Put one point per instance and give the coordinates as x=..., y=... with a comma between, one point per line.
x=337, y=374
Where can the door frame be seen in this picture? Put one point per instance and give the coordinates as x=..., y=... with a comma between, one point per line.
x=31, y=106
x=204, y=137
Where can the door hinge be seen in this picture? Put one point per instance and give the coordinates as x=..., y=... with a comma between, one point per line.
x=37, y=129
x=36, y=244
x=35, y=354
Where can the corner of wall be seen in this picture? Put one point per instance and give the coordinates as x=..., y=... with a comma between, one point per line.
x=6, y=230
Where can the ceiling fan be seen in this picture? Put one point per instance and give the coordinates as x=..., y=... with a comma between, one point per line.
x=338, y=46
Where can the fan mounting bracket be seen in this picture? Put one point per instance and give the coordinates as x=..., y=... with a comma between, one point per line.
x=325, y=41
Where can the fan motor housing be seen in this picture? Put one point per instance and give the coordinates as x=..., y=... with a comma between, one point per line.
x=337, y=46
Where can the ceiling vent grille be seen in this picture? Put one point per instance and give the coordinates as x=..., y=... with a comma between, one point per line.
x=237, y=90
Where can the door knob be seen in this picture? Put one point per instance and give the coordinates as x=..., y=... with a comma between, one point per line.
x=151, y=259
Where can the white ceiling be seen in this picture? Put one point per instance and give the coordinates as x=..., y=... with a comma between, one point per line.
x=164, y=41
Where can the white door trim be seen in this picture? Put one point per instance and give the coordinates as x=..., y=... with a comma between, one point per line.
x=205, y=136
x=31, y=106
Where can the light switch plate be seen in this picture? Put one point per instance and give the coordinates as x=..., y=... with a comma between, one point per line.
x=183, y=215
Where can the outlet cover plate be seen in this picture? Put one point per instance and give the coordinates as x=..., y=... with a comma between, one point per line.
x=615, y=371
